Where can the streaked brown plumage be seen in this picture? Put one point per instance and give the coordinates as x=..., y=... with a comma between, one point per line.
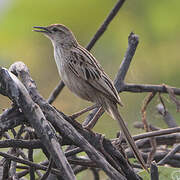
x=84, y=76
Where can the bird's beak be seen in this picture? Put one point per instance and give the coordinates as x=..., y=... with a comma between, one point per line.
x=41, y=29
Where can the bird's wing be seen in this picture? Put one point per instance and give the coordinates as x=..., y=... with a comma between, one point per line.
x=85, y=66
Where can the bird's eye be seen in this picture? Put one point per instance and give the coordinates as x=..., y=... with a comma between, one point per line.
x=55, y=29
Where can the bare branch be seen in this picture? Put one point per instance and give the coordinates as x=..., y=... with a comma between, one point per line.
x=157, y=133
x=44, y=177
x=56, y=118
x=154, y=171
x=19, y=95
x=139, y=88
x=105, y=24
x=29, y=163
x=19, y=143
x=167, y=117
x=169, y=155
x=133, y=41
x=55, y=92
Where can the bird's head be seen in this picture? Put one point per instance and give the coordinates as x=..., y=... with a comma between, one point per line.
x=58, y=34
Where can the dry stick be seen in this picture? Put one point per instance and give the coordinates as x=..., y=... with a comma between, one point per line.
x=162, y=102
x=169, y=139
x=14, y=151
x=13, y=171
x=19, y=143
x=18, y=152
x=96, y=37
x=22, y=173
x=45, y=176
x=6, y=135
x=92, y=118
x=143, y=110
x=6, y=168
x=154, y=134
x=54, y=94
x=105, y=24
x=56, y=118
x=89, y=135
x=173, y=97
x=95, y=173
x=29, y=163
x=73, y=151
x=169, y=155
x=140, y=88
x=16, y=91
x=167, y=117
x=20, y=131
x=140, y=125
x=133, y=41
x=7, y=124
x=108, y=156
x=22, y=167
x=147, y=100
x=30, y=158
x=154, y=171
x=170, y=121
x=83, y=162
x=79, y=169
x=174, y=161
x=77, y=114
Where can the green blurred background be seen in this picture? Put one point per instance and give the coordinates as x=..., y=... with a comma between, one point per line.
x=156, y=61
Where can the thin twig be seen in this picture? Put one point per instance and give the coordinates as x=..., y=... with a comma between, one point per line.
x=29, y=163
x=173, y=97
x=79, y=169
x=44, y=177
x=82, y=161
x=95, y=173
x=154, y=171
x=77, y=114
x=30, y=158
x=54, y=94
x=105, y=24
x=139, y=88
x=169, y=155
x=6, y=168
x=22, y=173
x=163, y=111
x=73, y=151
x=147, y=100
x=154, y=133
x=166, y=115
x=140, y=125
x=133, y=41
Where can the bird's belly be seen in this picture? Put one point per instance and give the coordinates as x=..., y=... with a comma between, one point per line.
x=77, y=86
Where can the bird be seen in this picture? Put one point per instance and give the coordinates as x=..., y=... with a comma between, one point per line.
x=85, y=77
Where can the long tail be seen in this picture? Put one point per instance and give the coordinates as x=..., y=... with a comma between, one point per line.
x=115, y=113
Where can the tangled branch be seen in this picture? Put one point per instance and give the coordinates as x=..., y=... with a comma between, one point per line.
x=61, y=138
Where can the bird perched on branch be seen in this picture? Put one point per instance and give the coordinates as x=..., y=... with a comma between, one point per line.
x=84, y=76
